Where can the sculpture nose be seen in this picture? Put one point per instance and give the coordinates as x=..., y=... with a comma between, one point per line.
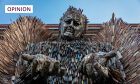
x=71, y=24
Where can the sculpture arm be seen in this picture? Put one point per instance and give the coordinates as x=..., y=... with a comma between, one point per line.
x=40, y=66
x=95, y=66
x=90, y=66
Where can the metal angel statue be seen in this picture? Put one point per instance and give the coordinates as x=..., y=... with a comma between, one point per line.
x=31, y=55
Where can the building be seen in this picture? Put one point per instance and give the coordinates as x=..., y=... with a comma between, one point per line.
x=91, y=28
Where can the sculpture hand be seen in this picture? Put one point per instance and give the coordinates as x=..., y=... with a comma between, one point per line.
x=90, y=66
x=44, y=64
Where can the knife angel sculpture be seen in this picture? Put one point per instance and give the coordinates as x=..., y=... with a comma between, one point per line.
x=31, y=55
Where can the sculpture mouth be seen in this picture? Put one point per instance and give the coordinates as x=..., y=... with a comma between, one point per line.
x=69, y=31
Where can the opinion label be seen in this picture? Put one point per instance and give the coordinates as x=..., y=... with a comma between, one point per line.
x=18, y=8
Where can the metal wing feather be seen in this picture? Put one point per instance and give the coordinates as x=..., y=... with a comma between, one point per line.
x=21, y=32
x=125, y=39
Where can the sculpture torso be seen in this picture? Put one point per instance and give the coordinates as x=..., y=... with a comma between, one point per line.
x=68, y=53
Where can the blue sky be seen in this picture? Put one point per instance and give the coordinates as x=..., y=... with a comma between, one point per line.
x=97, y=11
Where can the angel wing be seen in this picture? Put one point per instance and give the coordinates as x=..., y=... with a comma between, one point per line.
x=21, y=32
x=126, y=40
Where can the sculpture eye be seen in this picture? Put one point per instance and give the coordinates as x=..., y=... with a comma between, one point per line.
x=76, y=23
x=68, y=21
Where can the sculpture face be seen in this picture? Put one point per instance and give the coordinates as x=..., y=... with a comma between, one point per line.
x=73, y=23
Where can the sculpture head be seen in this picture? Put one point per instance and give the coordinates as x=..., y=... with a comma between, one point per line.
x=73, y=23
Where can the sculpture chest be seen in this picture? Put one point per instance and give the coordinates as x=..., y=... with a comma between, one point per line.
x=69, y=54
